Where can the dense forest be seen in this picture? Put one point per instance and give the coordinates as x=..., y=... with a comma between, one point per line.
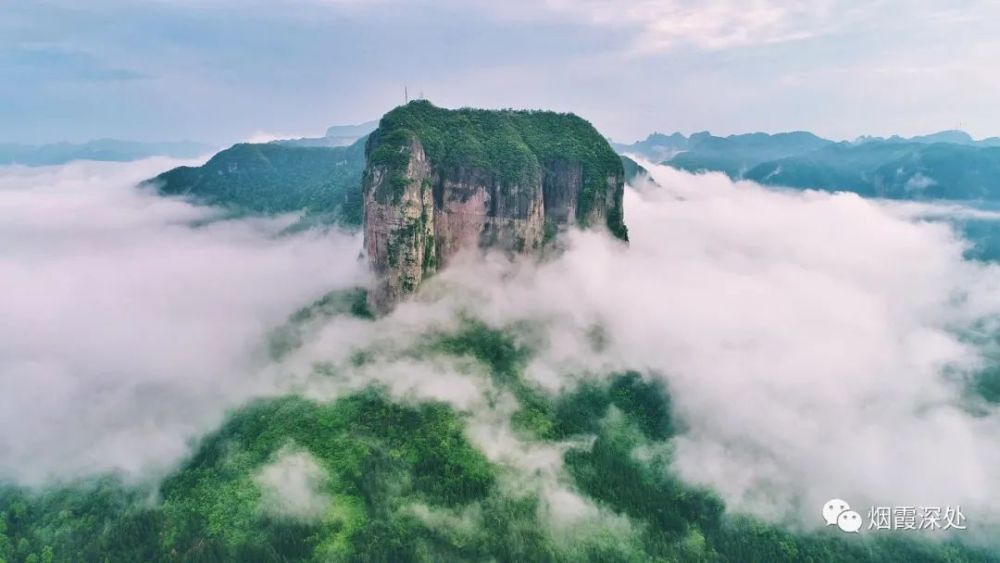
x=373, y=477
x=272, y=178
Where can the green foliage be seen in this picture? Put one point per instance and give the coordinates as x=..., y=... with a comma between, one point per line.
x=987, y=384
x=498, y=349
x=549, y=231
x=645, y=404
x=746, y=539
x=504, y=353
x=89, y=521
x=404, y=484
x=634, y=171
x=359, y=439
x=289, y=336
x=272, y=178
x=517, y=147
x=380, y=456
x=645, y=490
x=616, y=220
x=627, y=471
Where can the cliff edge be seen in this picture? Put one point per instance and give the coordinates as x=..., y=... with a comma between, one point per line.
x=438, y=181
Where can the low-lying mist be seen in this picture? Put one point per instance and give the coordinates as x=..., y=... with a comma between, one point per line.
x=131, y=321
x=815, y=345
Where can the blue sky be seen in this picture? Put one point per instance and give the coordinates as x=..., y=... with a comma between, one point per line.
x=227, y=70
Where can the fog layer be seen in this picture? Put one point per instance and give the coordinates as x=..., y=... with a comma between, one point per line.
x=125, y=330
x=815, y=345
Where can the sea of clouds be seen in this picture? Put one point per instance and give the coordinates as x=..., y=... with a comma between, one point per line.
x=815, y=345
x=129, y=322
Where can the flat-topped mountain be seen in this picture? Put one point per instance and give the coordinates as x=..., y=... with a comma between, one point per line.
x=336, y=136
x=439, y=181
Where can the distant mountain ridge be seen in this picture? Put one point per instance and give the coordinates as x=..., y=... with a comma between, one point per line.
x=892, y=170
x=118, y=150
x=731, y=153
x=336, y=136
x=944, y=165
x=108, y=150
x=272, y=178
x=319, y=176
x=950, y=136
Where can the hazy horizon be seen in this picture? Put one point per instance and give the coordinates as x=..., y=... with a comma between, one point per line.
x=222, y=71
x=260, y=136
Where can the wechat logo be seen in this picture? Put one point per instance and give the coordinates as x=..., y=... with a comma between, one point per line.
x=837, y=512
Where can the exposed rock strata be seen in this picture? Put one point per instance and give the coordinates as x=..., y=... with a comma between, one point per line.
x=439, y=181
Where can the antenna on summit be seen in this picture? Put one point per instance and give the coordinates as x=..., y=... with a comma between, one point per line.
x=406, y=95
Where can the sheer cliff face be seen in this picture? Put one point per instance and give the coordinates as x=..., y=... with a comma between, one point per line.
x=442, y=181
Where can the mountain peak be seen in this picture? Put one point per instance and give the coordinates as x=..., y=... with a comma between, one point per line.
x=439, y=181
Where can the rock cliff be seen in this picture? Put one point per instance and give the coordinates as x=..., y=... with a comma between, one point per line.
x=439, y=181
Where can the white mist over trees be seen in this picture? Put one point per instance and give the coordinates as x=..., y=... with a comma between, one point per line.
x=127, y=331
x=815, y=345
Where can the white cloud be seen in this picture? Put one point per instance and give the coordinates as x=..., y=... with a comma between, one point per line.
x=126, y=332
x=808, y=340
x=659, y=26
x=292, y=486
x=717, y=24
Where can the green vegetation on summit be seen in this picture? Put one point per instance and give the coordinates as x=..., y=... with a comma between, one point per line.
x=276, y=178
x=440, y=181
x=516, y=146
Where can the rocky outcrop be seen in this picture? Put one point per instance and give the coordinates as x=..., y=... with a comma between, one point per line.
x=439, y=181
